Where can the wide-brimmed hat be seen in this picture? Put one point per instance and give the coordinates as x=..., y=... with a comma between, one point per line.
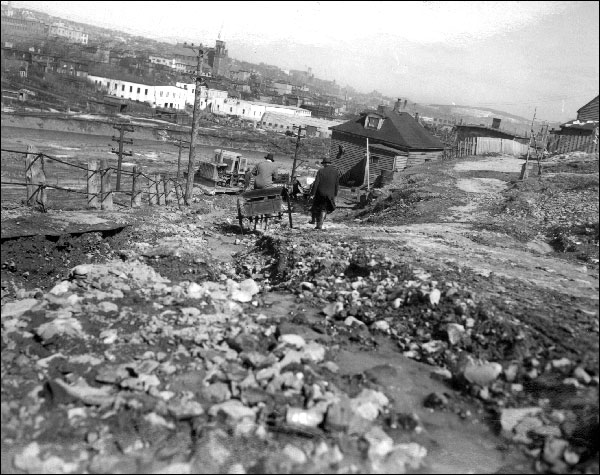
x=269, y=156
x=326, y=160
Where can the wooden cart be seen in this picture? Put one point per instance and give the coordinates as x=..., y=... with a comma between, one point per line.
x=263, y=204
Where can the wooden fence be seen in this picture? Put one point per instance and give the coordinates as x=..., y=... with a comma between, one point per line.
x=155, y=189
x=483, y=145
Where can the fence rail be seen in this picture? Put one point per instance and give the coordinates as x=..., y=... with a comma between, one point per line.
x=162, y=188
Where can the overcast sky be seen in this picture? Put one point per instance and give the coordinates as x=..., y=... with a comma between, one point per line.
x=511, y=56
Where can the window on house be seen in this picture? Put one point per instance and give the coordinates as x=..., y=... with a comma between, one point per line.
x=116, y=85
x=161, y=93
x=123, y=87
x=146, y=92
x=130, y=88
x=231, y=109
x=138, y=90
x=372, y=122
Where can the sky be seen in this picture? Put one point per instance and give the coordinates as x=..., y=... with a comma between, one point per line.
x=510, y=56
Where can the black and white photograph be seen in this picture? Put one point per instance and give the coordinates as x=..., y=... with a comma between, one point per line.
x=326, y=237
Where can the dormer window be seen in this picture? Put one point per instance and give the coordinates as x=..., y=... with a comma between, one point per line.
x=373, y=122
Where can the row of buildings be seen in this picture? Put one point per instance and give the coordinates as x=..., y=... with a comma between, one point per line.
x=181, y=97
x=393, y=140
x=19, y=24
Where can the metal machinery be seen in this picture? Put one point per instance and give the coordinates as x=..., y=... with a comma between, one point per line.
x=226, y=170
x=263, y=204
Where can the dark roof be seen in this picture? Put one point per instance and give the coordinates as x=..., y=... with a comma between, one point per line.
x=595, y=99
x=399, y=128
x=491, y=129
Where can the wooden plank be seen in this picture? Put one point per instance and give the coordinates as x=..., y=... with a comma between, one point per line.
x=35, y=178
x=168, y=189
x=106, y=194
x=151, y=191
x=93, y=184
x=136, y=191
x=160, y=200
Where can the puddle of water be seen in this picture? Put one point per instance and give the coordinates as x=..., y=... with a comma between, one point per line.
x=454, y=445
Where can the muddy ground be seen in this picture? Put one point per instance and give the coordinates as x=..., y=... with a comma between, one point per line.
x=431, y=332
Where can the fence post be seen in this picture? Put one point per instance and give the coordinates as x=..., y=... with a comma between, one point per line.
x=35, y=178
x=151, y=192
x=157, y=186
x=136, y=194
x=106, y=199
x=168, y=189
x=93, y=184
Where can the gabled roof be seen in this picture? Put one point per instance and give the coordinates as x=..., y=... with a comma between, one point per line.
x=399, y=129
x=595, y=99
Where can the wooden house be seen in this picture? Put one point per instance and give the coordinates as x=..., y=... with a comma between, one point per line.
x=396, y=141
x=580, y=134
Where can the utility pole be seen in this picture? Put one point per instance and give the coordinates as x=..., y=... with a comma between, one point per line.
x=122, y=128
x=195, y=117
x=300, y=128
x=181, y=144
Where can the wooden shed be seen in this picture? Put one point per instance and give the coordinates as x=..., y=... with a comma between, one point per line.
x=580, y=134
x=396, y=141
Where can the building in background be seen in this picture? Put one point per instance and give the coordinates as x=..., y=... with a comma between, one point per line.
x=580, y=134
x=14, y=28
x=71, y=33
x=396, y=141
x=218, y=59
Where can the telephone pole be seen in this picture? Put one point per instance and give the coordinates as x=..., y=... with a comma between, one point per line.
x=122, y=128
x=300, y=129
x=195, y=117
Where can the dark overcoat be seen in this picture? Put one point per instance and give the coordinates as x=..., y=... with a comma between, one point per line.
x=325, y=188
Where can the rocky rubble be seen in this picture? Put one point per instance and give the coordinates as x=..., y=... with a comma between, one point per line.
x=143, y=374
x=491, y=356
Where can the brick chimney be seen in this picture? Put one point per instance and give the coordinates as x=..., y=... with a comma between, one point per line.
x=398, y=105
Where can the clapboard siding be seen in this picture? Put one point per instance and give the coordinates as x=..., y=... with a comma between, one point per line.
x=572, y=141
x=419, y=157
x=589, y=111
x=351, y=164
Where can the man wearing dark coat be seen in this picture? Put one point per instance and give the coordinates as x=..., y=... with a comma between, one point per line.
x=324, y=190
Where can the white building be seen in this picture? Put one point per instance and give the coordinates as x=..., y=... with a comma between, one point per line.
x=214, y=99
x=283, y=122
x=72, y=33
x=164, y=61
x=166, y=96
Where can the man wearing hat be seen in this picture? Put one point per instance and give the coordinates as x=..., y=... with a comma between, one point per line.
x=265, y=172
x=324, y=190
